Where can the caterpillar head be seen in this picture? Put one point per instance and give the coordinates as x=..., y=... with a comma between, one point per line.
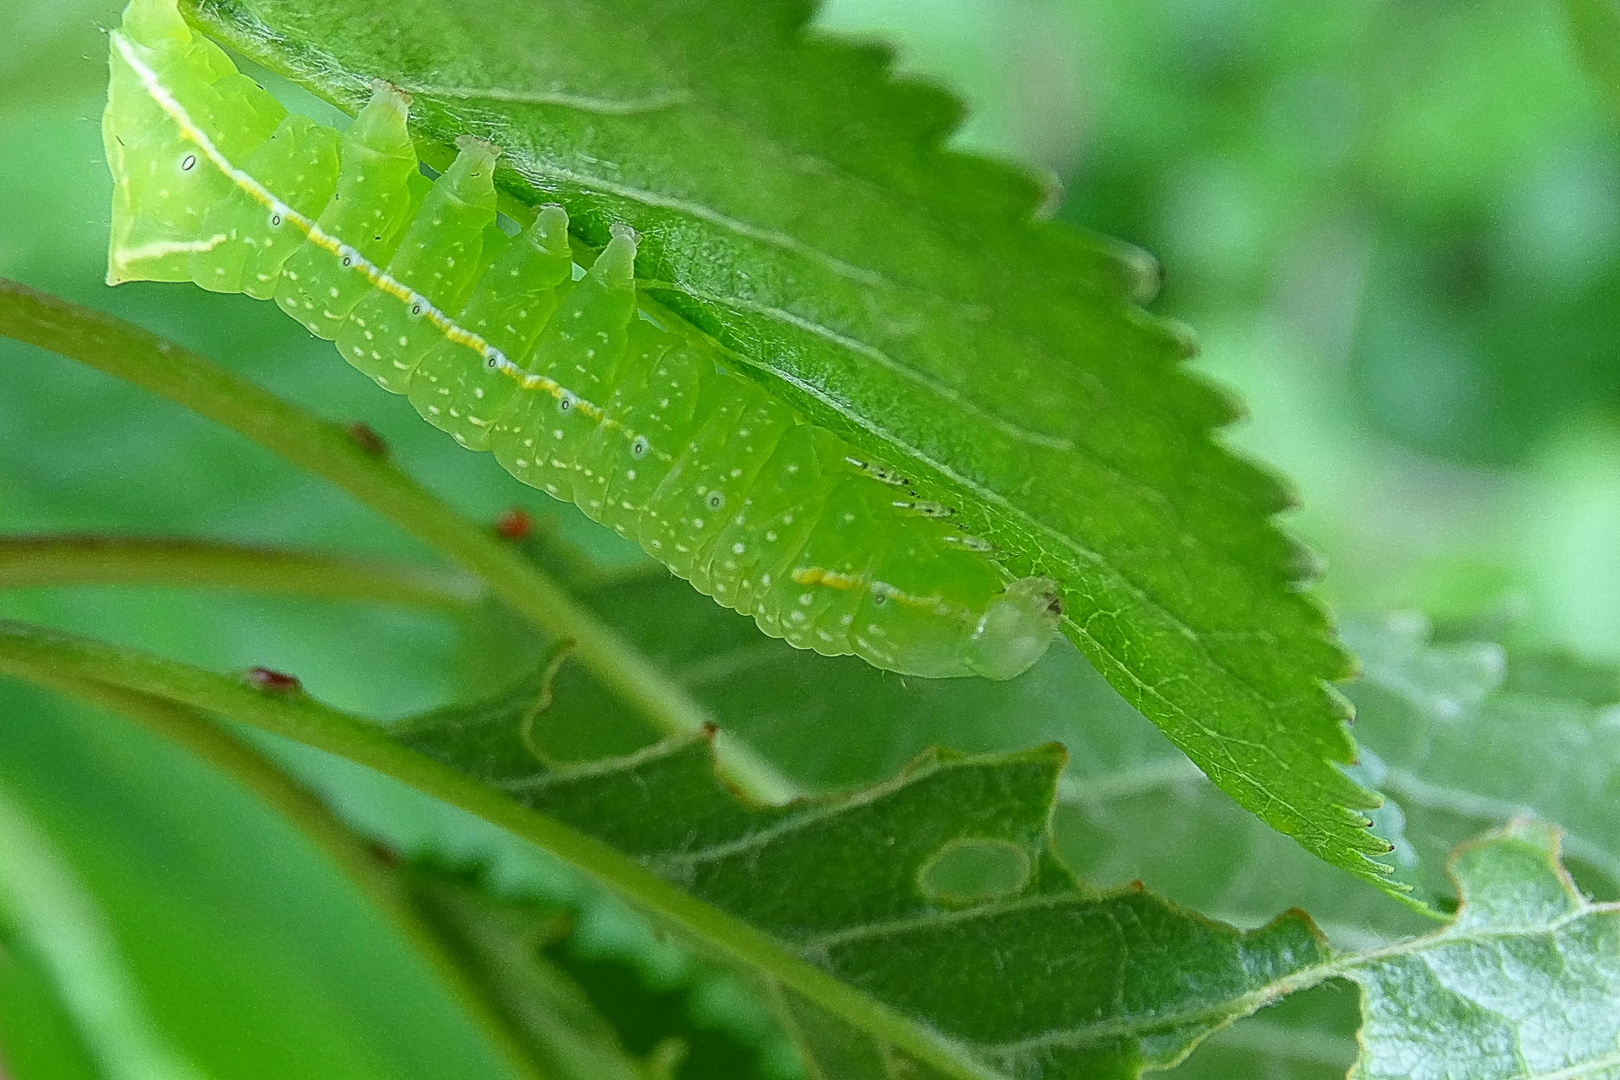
x=1016, y=629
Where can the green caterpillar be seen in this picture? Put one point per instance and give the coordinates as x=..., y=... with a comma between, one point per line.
x=494, y=341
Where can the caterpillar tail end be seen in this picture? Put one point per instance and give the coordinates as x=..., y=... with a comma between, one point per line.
x=1016, y=629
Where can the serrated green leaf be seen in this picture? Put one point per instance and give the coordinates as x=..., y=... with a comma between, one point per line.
x=1462, y=737
x=1524, y=984
x=924, y=961
x=933, y=901
x=934, y=893
x=797, y=208
x=1468, y=735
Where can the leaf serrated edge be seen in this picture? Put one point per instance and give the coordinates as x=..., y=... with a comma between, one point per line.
x=1342, y=843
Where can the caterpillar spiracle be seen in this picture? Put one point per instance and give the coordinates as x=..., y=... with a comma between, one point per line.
x=494, y=340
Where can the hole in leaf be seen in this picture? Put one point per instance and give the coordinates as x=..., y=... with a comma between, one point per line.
x=974, y=870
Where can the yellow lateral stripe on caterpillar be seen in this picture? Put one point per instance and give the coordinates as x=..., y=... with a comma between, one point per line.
x=832, y=579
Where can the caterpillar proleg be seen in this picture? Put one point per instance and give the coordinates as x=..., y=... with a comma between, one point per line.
x=493, y=341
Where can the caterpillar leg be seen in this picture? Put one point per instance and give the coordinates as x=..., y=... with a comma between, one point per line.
x=299, y=162
x=509, y=306
x=770, y=524
x=659, y=398
x=437, y=261
x=542, y=434
x=817, y=591
x=687, y=514
x=378, y=189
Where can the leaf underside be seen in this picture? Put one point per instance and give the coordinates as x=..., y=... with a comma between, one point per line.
x=798, y=209
x=1524, y=984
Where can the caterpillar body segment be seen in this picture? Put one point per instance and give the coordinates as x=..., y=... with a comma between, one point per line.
x=509, y=306
x=493, y=341
x=378, y=189
x=163, y=183
x=440, y=256
x=300, y=162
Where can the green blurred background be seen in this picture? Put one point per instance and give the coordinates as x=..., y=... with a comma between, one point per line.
x=1395, y=226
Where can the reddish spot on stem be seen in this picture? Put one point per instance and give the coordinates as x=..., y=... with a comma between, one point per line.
x=272, y=682
x=366, y=437
x=514, y=524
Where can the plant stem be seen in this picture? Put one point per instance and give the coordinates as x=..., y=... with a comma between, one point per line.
x=51, y=561
x=328, y=450
x=64, y=660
